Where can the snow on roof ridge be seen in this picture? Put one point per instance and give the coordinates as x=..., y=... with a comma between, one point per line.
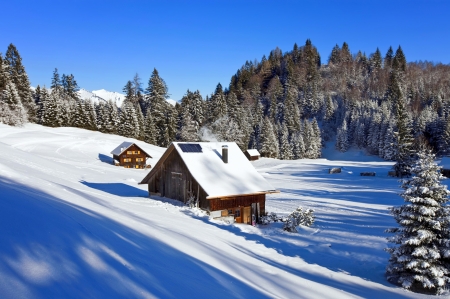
x=121, y=148
x=217, y=178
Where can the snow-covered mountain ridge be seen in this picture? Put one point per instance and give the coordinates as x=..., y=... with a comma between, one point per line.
x=102, y=94
x=75, y=226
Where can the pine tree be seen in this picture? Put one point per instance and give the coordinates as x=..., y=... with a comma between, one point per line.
x=269, y=142
x=129, y=125
x=149, y=130
x=189, y=128
x=19, y=77
x=401, y=60
x=218, y=104
x=128, y=90
x=420, y=258
x=163, y=114
x=342, y=143
x=51, y=111
x=335, y=55
x=11, y=110
x=403, y=140
x=112, y=123
x=298, y=145
x=285, y=148
x=388, y=59
x=376, y=61
x=56, y=80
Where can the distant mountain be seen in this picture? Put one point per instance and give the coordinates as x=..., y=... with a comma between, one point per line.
x=104, y=95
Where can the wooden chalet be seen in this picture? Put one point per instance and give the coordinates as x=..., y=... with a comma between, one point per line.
x=217, y=176
x=130, y=155
x=252, y=154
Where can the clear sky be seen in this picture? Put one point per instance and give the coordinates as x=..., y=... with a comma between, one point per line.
x=197, y=44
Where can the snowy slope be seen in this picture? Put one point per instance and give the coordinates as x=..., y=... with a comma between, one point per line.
x=75, y=226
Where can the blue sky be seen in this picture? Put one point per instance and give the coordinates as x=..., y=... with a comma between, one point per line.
x=197, y=44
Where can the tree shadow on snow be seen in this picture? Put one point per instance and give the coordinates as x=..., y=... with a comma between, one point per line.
x=359, y=259
x=51, y=248
x=118, y=189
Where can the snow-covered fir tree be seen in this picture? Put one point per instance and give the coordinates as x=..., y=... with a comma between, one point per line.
x=129, y=125
x=285, y=148
x=269, y=142
x=342, y=143
x=149, y=129
x=420, y=256
x=19, y=78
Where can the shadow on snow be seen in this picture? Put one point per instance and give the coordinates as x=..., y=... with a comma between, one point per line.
x=54, y=249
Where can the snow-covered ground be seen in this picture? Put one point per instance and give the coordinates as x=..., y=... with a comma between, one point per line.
x=75, y=226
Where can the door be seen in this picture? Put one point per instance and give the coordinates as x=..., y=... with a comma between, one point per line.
x=247, y=215
x=238, y=215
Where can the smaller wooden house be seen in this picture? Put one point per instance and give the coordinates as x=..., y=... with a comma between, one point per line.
x=252, y=154
x=130, y=155
x=216, y=175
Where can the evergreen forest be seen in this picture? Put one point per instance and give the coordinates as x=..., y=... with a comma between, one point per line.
x=288, y=105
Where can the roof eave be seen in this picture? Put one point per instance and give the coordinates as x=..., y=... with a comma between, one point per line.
x=247, y=194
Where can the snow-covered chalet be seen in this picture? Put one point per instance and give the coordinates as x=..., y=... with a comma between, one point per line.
x=217, y=176
x=130, y=155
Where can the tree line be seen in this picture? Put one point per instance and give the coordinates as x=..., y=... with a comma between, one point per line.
x=287, y=105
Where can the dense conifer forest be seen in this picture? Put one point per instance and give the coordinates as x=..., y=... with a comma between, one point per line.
x=287, y=105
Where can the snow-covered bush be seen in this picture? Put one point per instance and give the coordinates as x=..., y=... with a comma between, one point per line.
x=192, y=200
x=270, y=218
x=298, y=217
x=420, y=259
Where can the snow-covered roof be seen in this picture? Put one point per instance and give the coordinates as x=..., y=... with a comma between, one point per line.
x=123, y=147
x=445, y=162
x=217, y=178
x=253, y=152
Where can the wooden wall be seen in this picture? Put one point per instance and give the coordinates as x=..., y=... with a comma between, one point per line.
x=133, y=157
x=238, y=201
x=173, y=180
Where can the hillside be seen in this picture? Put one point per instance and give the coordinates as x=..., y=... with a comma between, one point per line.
x=75, y=226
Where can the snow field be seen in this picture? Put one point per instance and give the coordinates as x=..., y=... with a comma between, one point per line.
x=75, y=226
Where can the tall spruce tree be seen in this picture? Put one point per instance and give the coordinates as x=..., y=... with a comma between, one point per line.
x=19, y=77
x=269, y=142
x=163, y=114
x=420, y=257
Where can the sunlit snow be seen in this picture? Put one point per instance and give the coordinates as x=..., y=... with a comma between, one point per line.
x=75, y=226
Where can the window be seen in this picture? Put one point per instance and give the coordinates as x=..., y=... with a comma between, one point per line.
x=129, y=152
x=237, y=212
x=139, y=159
x=177, y=175
x=137, y=152
x=127, y=160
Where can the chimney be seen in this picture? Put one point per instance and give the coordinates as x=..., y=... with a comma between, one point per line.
x=225, y=153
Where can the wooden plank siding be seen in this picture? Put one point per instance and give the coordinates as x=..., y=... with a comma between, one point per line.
x=238, y=201
x=172, y=179
x=128, y=158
